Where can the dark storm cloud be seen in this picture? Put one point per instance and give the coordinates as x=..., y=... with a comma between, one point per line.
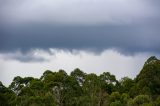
x=128, y=38
x=127, y=25
x=22, y=57
x=72, y=27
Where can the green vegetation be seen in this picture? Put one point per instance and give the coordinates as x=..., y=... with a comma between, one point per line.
x=81, y=89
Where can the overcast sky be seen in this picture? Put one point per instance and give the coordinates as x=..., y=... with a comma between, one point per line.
x=93, y=35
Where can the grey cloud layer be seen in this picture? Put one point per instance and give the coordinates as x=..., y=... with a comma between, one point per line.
x=78, y=11
x=127, y=25
x=128, y=38
x=27, y=57
x=130, y=26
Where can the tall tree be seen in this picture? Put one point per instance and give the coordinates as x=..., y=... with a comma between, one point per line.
x=148, y=81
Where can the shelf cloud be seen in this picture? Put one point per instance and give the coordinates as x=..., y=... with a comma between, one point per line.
x=127, y=39
x=128, y=25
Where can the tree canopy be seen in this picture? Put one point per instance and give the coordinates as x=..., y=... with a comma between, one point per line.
x=82, y=89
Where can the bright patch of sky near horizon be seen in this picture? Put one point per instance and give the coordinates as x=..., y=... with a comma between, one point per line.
x=109, y=60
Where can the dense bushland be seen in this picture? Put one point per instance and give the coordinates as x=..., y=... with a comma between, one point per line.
x=81, y=89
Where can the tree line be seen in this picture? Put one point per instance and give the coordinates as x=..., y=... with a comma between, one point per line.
x=82, y=89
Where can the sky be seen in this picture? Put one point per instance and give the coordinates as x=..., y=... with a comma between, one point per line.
x=96, y=36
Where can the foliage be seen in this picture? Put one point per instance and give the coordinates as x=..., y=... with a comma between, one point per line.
x=81, y=89
x=140, y=100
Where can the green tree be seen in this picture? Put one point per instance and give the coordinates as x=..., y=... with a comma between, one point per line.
x=148, y=81
x=140, y=100
x=81, y=89
x=126, y=84
x=109, y=81
x=79, y=76
x=7, y=97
